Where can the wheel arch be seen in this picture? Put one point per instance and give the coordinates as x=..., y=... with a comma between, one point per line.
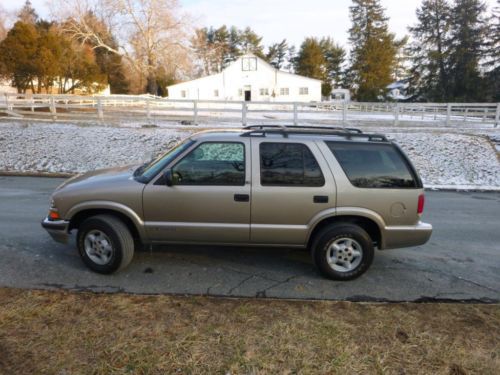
x=370, y=224
x=80, y=213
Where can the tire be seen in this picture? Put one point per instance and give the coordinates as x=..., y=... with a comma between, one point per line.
x=334, y=251
x=105, y=244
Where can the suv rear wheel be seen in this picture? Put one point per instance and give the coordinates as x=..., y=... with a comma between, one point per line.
x=342, y=251
x=105, y=244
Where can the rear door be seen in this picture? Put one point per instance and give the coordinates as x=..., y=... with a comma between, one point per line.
x=291, y=184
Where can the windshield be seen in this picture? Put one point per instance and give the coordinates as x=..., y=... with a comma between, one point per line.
x=150, y=169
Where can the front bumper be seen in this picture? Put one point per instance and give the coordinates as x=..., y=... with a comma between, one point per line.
x=57, y=229
x=406, y=236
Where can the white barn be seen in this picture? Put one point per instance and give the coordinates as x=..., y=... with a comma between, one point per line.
x=251, y=79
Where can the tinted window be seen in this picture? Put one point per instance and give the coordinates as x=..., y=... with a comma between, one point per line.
x=373, y=165
x=212, y=164
x=289, y=164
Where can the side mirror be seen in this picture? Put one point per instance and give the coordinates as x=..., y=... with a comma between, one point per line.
x=167, y=176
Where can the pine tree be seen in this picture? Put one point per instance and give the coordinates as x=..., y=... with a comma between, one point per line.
x=277, y=54
x=18, y=54
x=430, y=51
x=373, y=50
x=251, y=42
x=492, y=64
x=27, y=14
x=334, y=55
x=467, y=42
x=311, y=62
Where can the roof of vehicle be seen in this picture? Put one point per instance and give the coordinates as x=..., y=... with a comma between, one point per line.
x=295, y=131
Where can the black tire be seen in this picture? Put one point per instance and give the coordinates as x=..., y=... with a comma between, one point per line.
x=321, y=250
x=122, y=243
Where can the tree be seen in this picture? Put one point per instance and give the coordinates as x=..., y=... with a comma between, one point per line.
x=215, y=48
x=467, y=43
x=277, y=54
x=430, y=51
x=3, y=23
x=151, y=33
x=492, y=60
x=373, y=50
x=18, y=54
x=110, y=64
x=27, y=14
x=334, y=55
x=311, y=62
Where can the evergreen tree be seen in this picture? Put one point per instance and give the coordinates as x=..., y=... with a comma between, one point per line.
x=277, y=54
x=250, y=42
x=18, y=54
x=334, y=55
x=467, y=42
x=27, y=14
x=311, y=62
x=430, y=51
x=373, y=50
x=492, y=64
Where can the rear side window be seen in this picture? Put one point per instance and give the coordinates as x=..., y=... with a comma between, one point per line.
x=373, y=165
x=288, y=164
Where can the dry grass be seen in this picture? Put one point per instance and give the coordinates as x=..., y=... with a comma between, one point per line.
x=66, y=333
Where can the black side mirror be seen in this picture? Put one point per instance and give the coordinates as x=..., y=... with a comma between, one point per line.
x=167, y=176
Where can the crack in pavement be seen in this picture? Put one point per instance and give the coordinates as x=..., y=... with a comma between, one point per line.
x=263, y=293
x=439, y=272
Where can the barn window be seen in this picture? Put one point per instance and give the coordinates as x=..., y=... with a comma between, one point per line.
x=183, y=93
x=216, y=93
x=304, y=91
x=284, y=91
x=264, y=92
x=240, y=92
x=248, y=64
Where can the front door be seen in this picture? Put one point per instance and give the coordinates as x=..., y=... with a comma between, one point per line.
x=291, y=184
x=209, y=200
x=248, y=95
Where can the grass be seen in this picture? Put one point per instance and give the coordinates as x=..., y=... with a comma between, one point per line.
x=46, y=332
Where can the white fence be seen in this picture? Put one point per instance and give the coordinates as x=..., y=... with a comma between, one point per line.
x=128, y=107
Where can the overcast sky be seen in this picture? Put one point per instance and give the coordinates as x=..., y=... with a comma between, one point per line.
x=279, y=19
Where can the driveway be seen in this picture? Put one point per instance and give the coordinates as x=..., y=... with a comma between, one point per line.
x=461, y=261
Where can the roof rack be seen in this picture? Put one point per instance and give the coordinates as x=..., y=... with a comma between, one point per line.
x=285, y=130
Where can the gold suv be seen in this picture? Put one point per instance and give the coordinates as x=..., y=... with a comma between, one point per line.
x=338, y=192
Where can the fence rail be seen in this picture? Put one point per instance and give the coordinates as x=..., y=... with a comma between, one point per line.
x=101, y=108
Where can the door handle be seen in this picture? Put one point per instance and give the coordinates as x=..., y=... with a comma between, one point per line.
x=241, y=198
x=320, y=199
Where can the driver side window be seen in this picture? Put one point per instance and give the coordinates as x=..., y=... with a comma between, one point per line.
x=212, y=163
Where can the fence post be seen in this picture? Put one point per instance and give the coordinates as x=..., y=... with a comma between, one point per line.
x=244, y=114
x=7, y=102
x=148, y=110
x=396, y=114
x=295, y=114
x=195, y=112
x=100, y=112
x=53, y=108
x=344, y=113
x=448, y=114
x=497, y=116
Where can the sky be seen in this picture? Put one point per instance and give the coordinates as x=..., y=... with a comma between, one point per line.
x=276, y=20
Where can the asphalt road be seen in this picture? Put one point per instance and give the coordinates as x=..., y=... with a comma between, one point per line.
x=461, y=261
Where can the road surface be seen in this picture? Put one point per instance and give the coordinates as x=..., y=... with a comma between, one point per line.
x=461, y=261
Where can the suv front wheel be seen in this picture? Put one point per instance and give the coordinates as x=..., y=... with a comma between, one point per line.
x=105, y=244
x=342, y=251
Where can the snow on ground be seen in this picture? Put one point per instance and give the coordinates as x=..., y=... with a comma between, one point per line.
x=443, y=159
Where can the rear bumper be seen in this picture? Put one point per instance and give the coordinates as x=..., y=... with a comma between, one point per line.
x=406, y=236
x=58, y=229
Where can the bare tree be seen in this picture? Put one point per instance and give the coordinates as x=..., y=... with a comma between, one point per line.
x=151, y=34
x=3, y=22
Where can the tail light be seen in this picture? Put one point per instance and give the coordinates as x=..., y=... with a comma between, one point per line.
x=421, y=202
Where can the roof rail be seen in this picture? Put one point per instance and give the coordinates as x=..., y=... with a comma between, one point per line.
x=284, y=130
